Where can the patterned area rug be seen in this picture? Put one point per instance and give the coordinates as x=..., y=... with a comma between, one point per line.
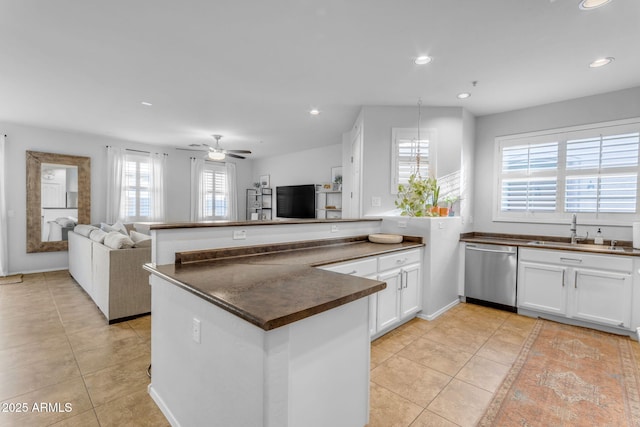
x=9, y=280
x=569, y=376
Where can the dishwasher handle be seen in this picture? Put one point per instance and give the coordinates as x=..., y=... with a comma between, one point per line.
x=497, y=251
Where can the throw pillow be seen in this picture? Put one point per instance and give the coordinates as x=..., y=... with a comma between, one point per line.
x=84, y=229
x=140, y=240
x=117, y=240
x=65, y=222
x=118, y=226
x=98, y=235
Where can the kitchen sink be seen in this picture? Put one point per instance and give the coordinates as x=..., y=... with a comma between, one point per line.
x=587, y=246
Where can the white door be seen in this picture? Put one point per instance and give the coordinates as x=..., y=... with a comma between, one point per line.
x=355, y=208
x=388, y=310
x=602, y=297
x=542, y=287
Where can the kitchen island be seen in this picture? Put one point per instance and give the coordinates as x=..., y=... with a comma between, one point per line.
x=259, y=336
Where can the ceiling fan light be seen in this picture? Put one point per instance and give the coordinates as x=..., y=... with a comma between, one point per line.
x=592, y=4
x=422, y=60
x=216, y=155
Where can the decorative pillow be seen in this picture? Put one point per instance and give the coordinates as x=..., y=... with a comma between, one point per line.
x=118, y=226
x=140, y=240
x=65, y=222
x=98, y=235
x=84, y=229
x=117, y=240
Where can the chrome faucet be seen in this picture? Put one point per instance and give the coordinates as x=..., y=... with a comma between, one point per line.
x=574, y=227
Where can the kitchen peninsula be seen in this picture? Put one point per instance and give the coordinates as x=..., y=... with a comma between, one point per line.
x=257, y=334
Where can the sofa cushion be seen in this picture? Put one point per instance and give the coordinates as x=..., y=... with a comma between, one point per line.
x=117, y=240
x=140, y=240
x=84, y=229
x=98, y=235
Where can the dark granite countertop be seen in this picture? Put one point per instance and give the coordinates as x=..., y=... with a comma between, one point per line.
x=274, y=285
x=222, y=223
x=624, y=248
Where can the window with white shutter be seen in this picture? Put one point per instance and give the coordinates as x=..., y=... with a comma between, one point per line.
x=592, y=170
x=406, y=147
x=136, y=191
x=214, y=192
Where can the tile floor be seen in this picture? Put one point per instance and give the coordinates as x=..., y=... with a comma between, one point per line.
x=55, y=347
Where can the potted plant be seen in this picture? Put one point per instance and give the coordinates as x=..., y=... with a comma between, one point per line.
x=416, y=197
x=435, y=209
x=449, y=199
x=337, y=183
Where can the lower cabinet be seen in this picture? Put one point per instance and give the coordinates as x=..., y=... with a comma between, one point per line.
x=593, y=288
x=401, y=298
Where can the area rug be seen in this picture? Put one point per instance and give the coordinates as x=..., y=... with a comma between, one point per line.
x=569, y=376
x=9, y=280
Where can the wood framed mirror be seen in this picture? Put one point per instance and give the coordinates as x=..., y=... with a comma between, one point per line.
x=58, y=198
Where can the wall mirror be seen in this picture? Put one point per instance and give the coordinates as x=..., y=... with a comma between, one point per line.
x=58, y=198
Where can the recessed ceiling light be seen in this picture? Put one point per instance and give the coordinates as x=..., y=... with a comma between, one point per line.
x=592, y=4
x=464, y=95
x=146, y=104
x=314, y=111
x=422, y=60
x=601, y=62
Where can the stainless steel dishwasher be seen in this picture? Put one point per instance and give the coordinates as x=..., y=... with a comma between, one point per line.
x=490, y=275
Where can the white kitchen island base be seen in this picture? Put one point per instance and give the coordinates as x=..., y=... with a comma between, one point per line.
x=313, y=372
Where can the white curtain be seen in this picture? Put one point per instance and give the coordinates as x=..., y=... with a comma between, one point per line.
x=4, y=253
x=197, y=174
x=115, y=166
x=158, y=186
x=232, y=192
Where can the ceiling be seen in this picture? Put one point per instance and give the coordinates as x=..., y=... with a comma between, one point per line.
x=251, y=70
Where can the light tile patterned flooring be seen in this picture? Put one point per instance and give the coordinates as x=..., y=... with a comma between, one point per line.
x=56, y=347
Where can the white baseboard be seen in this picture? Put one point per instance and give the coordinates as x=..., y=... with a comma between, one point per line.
x=163, y=407
x=439, y=312
x=46, y=270
x=638, y=333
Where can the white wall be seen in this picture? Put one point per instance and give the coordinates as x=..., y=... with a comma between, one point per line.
x=449, y=124
x=21, y=138
x=593, y=109
x=297, y=168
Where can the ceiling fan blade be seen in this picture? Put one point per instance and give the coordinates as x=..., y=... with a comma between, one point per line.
x=238, y=151
x=191, y=149
x=235, y=155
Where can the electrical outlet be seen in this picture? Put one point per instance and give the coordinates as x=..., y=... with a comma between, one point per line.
x=376, y=202
x=195, y=331
x=239, y=235
x=402, y=224
x=334, y=228
x=440, y=225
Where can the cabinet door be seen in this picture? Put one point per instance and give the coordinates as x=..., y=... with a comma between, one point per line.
x=388, y=310
x=602, y=297
x=542, y=287
x=410, y=298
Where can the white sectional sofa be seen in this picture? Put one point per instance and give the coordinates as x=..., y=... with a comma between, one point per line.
x=114, y=278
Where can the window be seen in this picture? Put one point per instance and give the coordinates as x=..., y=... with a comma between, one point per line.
x=214, y=193
x=405, y=150
x=592, y=170
x=136, y=200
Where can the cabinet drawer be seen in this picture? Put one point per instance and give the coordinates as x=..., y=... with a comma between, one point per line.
x=399, y=259
x=360, y=268
x=577, y=259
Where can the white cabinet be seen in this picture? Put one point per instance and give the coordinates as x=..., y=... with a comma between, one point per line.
x=401, y=298
x=403, y=295
x=367, y=268
x=593, y=288
x=541, y=287
x=602, y=297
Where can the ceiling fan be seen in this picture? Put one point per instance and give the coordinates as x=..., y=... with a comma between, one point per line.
x=216, y=152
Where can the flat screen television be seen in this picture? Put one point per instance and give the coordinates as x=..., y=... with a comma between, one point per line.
x=296, y=201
